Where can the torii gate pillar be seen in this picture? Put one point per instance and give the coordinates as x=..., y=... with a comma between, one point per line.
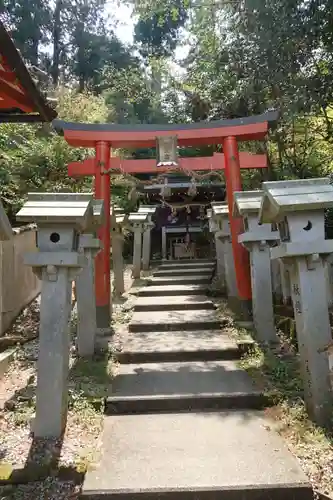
x=102, y=262
x=241, y=255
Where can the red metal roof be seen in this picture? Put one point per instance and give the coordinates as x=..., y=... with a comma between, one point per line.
x=20, y=100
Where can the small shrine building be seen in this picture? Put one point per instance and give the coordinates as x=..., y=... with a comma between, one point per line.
x=181, y=227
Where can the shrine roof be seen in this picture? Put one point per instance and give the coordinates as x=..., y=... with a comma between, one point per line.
x=20, y=100
x=147, y=209
x=136, y=217
x=247, y=202
x=285, y=197
x=144, y=135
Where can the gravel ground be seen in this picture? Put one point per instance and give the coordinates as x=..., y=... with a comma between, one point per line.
x=50, y=489
x=82, y=439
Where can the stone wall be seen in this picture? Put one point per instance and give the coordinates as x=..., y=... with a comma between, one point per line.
x=18, y=284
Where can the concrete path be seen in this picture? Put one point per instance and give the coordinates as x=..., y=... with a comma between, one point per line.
x=172, y=290
x=186, y=345
x=187, y=265
x=183, y=420
x=174, y=320
x=210, y=456
x=201, y=279
x=190, y=302
x=178, y=271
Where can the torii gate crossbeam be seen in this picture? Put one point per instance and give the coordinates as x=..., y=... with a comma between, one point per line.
x=210, y=163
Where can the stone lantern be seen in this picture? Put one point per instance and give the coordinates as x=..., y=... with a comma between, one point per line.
x=138, y=226
x=150, y=210
x=257, y=239
x=118, y=221
x=214, y=227
x=60, y=219
x=89, y=246
x=298, y=208
x=224, y=246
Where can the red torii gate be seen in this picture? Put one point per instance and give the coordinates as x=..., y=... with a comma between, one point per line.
x=102, y=137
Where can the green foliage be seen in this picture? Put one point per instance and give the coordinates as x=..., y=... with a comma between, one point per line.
x=82, y=40
x=91, y=47
x=34, y=158
x=157, y=30
x=251, y=56
x=244, y=58
x=130, y=95
x=30, y=22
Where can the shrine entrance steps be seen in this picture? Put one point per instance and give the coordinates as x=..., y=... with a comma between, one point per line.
x=183, y=420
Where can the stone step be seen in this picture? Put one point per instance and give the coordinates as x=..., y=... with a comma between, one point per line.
x=194, y=456
x=172, y=290
x=204, y=279
x=187, y=261
x=210, y=345
x=186, y=302
x=175, y=320
x=187, y=265
x=195, y=271
x=184, y=386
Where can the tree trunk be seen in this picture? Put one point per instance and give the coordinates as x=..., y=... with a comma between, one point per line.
x=34, y=49
x=80, y=41
x=56, y=42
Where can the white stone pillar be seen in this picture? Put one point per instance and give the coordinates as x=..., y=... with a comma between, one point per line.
x=137, y=250
x=262, y=297
x=86, y=301
x=329, y=280
x=53, y=356
x=214, y=227
x=118, y=263
x=276, y=280
x=309, y=296
x=285, y=282
x=229, y=264
x=146, y=248
x=220, y=260
x=164, y=243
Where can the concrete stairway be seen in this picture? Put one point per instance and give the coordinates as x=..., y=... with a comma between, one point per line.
x=183, y=421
